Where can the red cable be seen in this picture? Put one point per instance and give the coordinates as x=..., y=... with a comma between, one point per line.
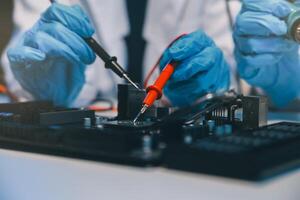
x=158, y=61
x=101, y=109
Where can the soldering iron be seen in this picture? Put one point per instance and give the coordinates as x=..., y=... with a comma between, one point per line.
x=110, y=61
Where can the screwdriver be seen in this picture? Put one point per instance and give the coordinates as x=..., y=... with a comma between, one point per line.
x=154, y=91
x=110, y=61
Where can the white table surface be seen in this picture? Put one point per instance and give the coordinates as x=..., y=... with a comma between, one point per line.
x=29, y=176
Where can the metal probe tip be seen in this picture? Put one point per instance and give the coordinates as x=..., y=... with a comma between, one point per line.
x=131, y=82
x=142, y=111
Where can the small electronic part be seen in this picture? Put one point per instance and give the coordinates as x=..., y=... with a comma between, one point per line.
x=87, y=122
x=255, y=111
x=130, y=100
x=211, y=125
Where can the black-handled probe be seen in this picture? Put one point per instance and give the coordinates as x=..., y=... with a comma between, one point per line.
x=110, y=61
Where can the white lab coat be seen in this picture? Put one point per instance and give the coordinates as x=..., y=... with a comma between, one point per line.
x=164, y=20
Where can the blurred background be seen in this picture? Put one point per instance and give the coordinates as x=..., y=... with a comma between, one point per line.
x=6, y=7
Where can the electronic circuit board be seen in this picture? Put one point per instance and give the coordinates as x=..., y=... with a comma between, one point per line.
x=224, y=136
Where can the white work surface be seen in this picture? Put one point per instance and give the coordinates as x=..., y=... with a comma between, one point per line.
x=28, y=176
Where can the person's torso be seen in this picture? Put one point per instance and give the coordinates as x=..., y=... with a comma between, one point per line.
x=163, y=21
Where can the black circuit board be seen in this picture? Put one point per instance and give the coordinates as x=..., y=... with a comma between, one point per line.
x=217, y=142
x=249, y=154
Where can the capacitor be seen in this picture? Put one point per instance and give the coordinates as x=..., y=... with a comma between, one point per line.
x=147, y=144
x=211, y=125
x=87, y=122
x=219, y=130
x=188, y=139
x=228, y=129
x=97, y=120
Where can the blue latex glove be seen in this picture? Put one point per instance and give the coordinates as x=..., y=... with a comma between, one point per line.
x=265, y=57
x=202, y=69
x=50, y=59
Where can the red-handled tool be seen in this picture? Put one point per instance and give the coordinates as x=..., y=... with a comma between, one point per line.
x=154, y=91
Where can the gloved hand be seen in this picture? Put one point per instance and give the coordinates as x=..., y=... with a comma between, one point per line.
x=265, y=57
x=202, y=69
x=50, y=59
